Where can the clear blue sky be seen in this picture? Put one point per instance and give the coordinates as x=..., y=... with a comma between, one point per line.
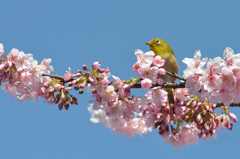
x=74, y=33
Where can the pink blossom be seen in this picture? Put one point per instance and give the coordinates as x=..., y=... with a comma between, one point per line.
x=137, y=67
x=232, y=117
x=68, y=75
x=209, y=136
x=160, y=81
x=188, y=135
x=196, y=61
x=46, y=63
x=193, y=84
x=96, y=65
x=211, y=82
x=24, y=60
x=230, y=58
x=158, y=61
x=159, y=95
x=174, y=140
x=236, y=72
x=228, y=80
x=108, y=94
x=182, y=93
x=149, y=72
x=214, y=66
x=116, y=111
x=13, y=55
x=27, y=95
x=150, y=120
x=146, y=58
x=146, y=84
x=37, y=71
x=57, y=87
x=1, y=49
x=161, y=71
x=98, y=116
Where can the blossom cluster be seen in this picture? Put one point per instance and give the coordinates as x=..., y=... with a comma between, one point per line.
x=219, y=81
x=21, y=75
x=191, y=117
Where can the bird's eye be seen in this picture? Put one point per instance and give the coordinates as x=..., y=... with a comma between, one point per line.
x=158, y=42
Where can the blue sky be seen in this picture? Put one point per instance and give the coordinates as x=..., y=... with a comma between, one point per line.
x=73, y=33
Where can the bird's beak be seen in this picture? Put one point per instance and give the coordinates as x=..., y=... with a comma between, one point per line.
x=148, y=43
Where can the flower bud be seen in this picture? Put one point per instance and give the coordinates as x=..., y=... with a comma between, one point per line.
x=84, y=67
x=232, y=117
x=96, y=65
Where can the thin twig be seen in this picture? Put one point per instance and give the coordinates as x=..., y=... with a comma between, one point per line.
x=231, y=105
x=175, y=75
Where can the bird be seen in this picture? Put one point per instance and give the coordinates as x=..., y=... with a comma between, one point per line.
x=160, y=47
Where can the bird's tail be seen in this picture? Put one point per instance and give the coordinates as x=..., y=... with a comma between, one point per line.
x=170, y=95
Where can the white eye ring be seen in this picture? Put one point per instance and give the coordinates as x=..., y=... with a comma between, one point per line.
x=158, y=42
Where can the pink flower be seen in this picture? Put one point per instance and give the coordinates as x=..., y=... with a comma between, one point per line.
x=224, y=95
x=146, y=84
x=182, y=93
x=159, y=95
x=232, y=117
x=1, y=49
x=137, y=67
x=228, y=80
x=13, y=55
x=230, y=58
x=174, y=140
x=24, y=60
x=188, y=135
x=146, y=58
x=211, y=82
x=158, y=61
x=150, y=120
x=68, y=75
x=149, y=72
x=193, y=84
x=96, y=65
x=116, y=111
x=108, y=94
x=37, y=71
x=46, y=63
x=209, y=136
x=98, y=116
x=236, y=72
x=196, y=61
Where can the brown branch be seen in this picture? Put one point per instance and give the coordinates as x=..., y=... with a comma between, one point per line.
x=61, y=78
x=175, y=75
x=231, y=105
x=165, y=85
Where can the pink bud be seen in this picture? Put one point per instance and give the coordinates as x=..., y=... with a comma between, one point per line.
x=161, y=71
x=160, y=81
x=146, y=84
x=57, y=87
x=107, y=70
x=96, y=65
x=232, y=117
x=46, y=84
x=84, y=67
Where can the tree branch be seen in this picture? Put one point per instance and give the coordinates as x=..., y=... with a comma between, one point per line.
x=175, y=75
x=231, y=105
x=165, y=85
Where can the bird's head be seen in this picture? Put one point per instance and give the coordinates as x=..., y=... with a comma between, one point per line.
x=159, y=46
